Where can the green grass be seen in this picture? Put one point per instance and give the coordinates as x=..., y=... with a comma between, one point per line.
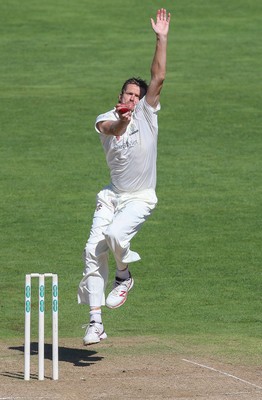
x=62, y=63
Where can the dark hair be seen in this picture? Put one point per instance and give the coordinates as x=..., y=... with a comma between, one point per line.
x=136, y=81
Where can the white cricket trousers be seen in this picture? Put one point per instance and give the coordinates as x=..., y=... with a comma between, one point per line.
x=117, y=218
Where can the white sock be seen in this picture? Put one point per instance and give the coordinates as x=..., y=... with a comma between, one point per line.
x=95, y=315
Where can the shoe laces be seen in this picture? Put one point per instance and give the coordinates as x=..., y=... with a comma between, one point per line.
x=120, y=285
x=93, y=327
x=120, y=281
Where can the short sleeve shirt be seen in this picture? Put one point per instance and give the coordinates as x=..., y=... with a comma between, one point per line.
x=132, y=156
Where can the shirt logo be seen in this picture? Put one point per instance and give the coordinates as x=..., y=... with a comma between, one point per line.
x=124, y=142
x=99, y=206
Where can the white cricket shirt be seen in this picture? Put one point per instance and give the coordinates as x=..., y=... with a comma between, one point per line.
x=132, y=157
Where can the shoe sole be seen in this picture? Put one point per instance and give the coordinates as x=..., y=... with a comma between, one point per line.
x=124, y=298
x=103, y=336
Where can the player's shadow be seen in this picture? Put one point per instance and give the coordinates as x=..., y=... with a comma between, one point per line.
x=78, y=357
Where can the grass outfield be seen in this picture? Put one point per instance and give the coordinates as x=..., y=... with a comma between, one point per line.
x=63, y=63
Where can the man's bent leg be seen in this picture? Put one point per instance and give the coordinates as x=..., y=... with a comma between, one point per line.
x=127, y=222
x=95, y=275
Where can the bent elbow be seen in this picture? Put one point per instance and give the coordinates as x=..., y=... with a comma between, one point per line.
x=158, y=76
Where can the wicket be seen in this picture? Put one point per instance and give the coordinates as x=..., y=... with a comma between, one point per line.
x=41, y=325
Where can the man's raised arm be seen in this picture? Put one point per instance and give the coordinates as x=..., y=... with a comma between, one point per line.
x=158, y=67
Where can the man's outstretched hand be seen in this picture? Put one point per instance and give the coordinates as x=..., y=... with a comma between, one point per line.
x=161, y=26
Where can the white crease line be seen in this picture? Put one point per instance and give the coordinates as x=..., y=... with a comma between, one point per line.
x=223, y=373
x=23, y=398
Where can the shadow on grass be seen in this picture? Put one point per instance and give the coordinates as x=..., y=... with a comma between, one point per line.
x=77, y=357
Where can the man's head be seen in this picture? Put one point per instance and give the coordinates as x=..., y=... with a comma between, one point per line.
x=132, y=91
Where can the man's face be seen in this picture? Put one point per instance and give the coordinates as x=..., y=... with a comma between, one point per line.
x=130, y=96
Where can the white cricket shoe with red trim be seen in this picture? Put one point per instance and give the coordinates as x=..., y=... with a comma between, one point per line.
x=94, y=333
x=118, y=295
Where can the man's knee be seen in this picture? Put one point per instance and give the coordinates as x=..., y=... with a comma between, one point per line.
x=113, y=234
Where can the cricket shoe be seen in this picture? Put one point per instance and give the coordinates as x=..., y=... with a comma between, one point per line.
x=118, y=295
x=94, y=333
